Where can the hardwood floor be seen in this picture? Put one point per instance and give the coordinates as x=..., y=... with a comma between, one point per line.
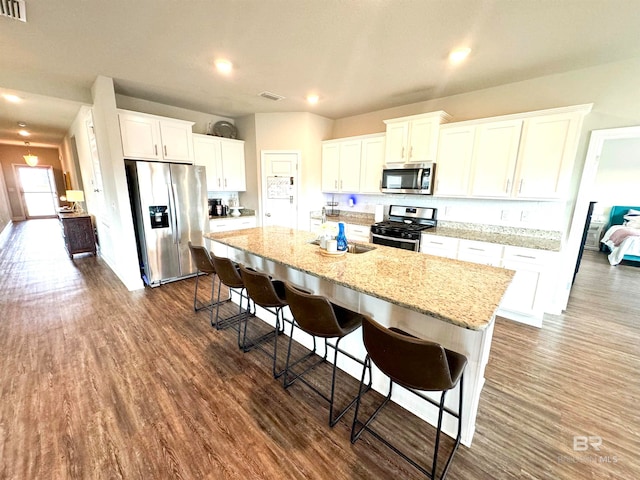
x=98, y=382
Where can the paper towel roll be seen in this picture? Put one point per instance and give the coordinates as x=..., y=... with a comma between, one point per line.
x=379, y=213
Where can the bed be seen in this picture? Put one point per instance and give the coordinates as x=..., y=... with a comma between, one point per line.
x=622, y=237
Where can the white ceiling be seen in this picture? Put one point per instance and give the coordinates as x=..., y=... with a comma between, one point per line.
x=358, y=55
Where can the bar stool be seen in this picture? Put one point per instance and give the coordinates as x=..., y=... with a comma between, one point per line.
x=204, y=266
x=268, y=294
x=417, y=365
x=229, y=274
x=318, y=317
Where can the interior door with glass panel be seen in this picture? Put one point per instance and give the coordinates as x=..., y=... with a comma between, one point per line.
x=38, y=189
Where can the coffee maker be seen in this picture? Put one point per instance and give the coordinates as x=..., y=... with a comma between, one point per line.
x=216, y=209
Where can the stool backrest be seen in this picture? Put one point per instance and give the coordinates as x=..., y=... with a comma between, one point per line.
x=260, y=288
x=201, y=258
x=409, y=361
x=313, y=313
x=227, y=271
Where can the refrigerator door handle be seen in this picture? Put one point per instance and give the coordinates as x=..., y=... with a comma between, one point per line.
x=178, y=232
x=173, y=211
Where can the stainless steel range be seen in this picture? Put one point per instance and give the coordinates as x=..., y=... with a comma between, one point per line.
x=404, y=226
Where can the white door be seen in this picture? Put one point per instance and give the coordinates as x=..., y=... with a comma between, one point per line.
x=280, y=188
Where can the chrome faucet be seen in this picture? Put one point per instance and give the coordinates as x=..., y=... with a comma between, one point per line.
x=324, y=215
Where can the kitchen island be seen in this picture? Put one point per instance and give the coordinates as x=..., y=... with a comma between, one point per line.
x=446, y=301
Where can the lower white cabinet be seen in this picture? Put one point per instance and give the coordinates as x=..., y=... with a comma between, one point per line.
x=357, y=233
x=480, y=252
x=531, y=291
x=439, y=246
x=231, y=223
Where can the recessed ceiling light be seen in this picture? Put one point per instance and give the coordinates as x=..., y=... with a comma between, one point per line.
x=312, y=98
x=9, y=97
x=458, y=55
x=224, y=66
x=22, y=124
x=23, y=133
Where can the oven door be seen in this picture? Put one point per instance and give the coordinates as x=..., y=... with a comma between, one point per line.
x=405, y=244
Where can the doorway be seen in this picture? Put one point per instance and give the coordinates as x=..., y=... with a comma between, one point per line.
x=280, y=188
x=38, y=191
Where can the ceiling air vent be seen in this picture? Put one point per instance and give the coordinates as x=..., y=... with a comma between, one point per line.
x=15, y=9
x=267, y=95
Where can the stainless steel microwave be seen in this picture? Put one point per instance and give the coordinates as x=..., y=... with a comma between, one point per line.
x=408, y=178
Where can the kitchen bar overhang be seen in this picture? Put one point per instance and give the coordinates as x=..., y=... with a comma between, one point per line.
x=447, y=301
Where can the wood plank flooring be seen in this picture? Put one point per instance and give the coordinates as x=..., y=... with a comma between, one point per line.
x=97, y=383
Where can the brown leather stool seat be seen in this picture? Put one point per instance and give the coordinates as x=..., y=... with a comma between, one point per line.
x=417, y=365
x=270, y=295
x=204, y=266
x=229, y=274
x=318, y=317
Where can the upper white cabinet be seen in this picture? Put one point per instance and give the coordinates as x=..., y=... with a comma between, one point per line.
x=341, y=166
x=547, y=151
x=525, y=156
x=149, y=137
x=371, y=163
x=495, y=152
x=224, y=160
x=413, y=138
x=353, y=164
x=453, y=166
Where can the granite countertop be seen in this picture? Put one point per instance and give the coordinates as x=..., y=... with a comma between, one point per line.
x=540, y=240
x=464, y=294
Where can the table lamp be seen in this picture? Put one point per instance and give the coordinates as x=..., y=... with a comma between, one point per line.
x=75, y=196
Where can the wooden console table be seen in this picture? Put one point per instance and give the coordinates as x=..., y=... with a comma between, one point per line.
x=78, y=232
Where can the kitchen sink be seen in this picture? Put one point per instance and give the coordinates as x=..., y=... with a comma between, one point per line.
x=352, y=247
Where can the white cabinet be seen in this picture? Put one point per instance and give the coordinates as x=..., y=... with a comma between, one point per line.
x=148, y=137
x=341, y=166
x=480, y=252
x=357, y=233
x=371, y=164
x=495, y=152
x=439, y=246
x=453, y=167
x=547, y=154
x=231, y=223
x=413, y=138
x=224, y=160
x=529, y=294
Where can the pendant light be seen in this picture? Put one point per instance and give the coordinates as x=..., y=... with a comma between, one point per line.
x=32, y=160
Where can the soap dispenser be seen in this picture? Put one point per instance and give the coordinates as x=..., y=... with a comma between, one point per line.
x=341, y=238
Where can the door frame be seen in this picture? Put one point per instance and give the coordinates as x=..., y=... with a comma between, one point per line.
x=587, y=182
x=263, y=190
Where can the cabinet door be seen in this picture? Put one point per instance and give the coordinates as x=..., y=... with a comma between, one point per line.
x=330, y=166
x=547, y=154
x=396, y=141
x=206, y=152
x=233, y=168
x=140, y=137
x=372, y=161
x=349, y=178
x=423, y=135
x=176, y=141
x=357, y=233
x=494, y=158
x=439, y=246
x=455, y=151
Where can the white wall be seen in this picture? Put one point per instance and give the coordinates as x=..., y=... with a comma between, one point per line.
x=618, y=176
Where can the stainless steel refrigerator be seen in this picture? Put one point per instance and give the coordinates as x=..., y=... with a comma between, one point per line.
x=169, y=204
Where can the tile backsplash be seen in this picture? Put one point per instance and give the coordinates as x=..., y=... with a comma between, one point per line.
x=513, y=213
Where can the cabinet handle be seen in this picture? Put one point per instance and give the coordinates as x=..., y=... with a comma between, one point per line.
x=335, y=184
x=402, y=155
x=225, y=183
x=155, y=149
x=410, y=152
x=340, y=184
x=218, y=181
x=476, y=249
x=525, y=256
x=520, y=187
x=437, y=243
x=165, y=150
x=508, y=185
